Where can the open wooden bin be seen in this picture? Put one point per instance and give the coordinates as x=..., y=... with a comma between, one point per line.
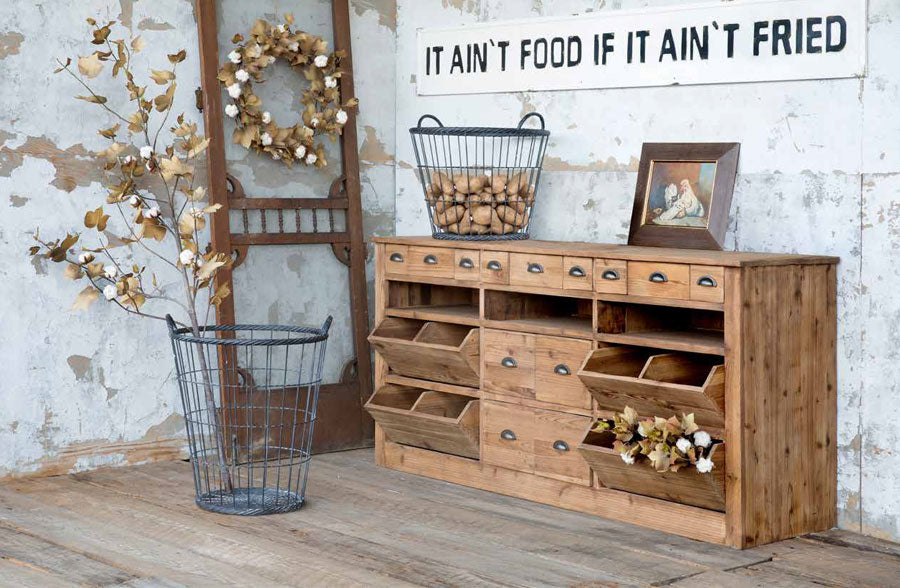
x=657, y=383
x=439, y=421
x=686, y=486
x=440, y=352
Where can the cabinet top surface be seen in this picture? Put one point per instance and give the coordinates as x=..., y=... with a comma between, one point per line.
x=626, y=252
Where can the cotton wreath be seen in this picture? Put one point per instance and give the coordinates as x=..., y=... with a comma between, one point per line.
x=323, y=113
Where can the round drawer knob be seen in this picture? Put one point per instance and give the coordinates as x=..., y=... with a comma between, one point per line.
x=508, y=435
x=560, y=446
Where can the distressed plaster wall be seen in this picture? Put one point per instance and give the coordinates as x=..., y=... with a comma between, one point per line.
x=88, y=389
x=818, y=174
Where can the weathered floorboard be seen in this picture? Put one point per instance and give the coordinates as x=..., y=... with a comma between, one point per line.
x=365, y=525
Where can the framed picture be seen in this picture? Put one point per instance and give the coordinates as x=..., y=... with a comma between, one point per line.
x=683, y=195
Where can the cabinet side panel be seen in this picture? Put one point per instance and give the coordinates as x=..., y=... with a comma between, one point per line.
x=788, y=406
x=734, y=432
x=381, y=299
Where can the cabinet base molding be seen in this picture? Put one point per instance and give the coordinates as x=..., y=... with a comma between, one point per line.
x=678, y=519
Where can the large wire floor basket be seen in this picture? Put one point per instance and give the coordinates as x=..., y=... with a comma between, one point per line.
x=250, y=394
x=480, y=183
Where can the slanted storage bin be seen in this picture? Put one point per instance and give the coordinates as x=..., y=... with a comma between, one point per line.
x=657, y=383
x=433, y=420
x=439, y=352
x=686, y=486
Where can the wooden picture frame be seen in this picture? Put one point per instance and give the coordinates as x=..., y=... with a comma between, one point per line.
x=683, y=195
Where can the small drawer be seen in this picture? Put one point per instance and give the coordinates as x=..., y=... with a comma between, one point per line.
x=611, y=276
x=657, y=384
x=686, y=486
x=545, y=271
x=707, y=283
x=578, y=273
x=468, y=265
x=395, y=258
x=542, y=442
x=440, y=352
x=557, y=361
x=659, y=280
x=509, y=363
x=432, y=262
x=438, y=421
x=495, y=267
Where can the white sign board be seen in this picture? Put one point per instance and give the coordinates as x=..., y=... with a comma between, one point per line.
x=697, y=44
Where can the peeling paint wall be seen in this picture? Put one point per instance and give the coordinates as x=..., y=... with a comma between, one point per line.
x=819, y=173
x=96, y=388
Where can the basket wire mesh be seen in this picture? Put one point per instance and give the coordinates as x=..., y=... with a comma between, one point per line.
x=480, y=183
x=250, y=394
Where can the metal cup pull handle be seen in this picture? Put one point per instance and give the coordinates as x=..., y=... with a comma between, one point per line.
x=508, y=435
x=610, y=274
x=535, y=268
x=562, y=370
x=659, y=278
x=466, y=263
x=707, y=282
x=577, y=272
x=430, y=259
x=560, y=446
x=494, y=265
x=508, y=362
x=396, y=257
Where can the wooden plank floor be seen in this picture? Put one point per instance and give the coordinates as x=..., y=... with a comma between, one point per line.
x=365, y=525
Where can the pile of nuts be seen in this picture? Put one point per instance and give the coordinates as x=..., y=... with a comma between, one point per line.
x=483, y=204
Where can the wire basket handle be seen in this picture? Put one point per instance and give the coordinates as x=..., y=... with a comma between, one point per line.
x=326, y=326
x=427, y=116
x=529, y=115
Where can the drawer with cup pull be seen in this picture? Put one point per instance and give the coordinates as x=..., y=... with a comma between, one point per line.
x=542, y=442
x=610, y=276
x=395, y=257
x=545, y=271
x=578, y=273
x=467, y=265
x=659, y=280
x=495, y=267
x=707, y=283
x=432, y=262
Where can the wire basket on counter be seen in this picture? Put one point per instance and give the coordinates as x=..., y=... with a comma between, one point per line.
x=480, y=183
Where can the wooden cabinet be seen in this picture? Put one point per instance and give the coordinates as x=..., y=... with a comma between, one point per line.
x=494, y=359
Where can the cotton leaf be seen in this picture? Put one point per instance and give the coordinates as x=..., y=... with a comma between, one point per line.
x=161, y=77
x=90, y=66
x=178, y=57
x=84, y=299
x=73, y=272
x=136, y=121
x=170, y=168
x=58, y=254
x=95, y=269
x=109, y=133
x=138, y=44
x=93, y=99
x=222, y=292
x=212, y=208
x=152, y=231
x=209, y=268
x=198, y=149
x=112, y=152
x=188, y=223
x=197, y=194
x=164, y=101
x=96, y=218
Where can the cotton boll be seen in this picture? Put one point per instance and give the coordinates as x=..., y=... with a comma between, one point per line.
x=232, y=110
x=234, y=57
x=110, y=292
x=266, y=118
x=702, y=439
x=300, y=152
x=110, y=271
x=186, y=257
x=704, y=465
x=234, y=90
x=266, y=139
x=146, y=151
x=330, y=82
x=242, y=75
x=321, y=60
x=311, y=159
x=85, y=257
x=152, y=212
x=683, y=445
x=341, y=117
x=627, y=458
